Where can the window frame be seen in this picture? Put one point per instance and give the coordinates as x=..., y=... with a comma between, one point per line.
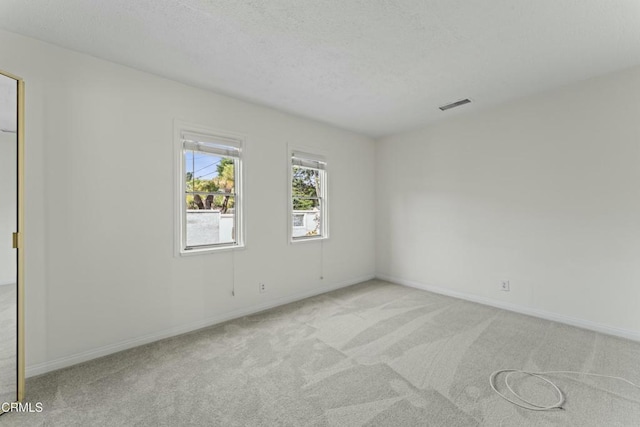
x=180, y=128
x=316, y=155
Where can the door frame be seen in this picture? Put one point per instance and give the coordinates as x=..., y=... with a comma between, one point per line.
x=19, y=239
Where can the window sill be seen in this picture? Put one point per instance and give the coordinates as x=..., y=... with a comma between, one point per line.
x=307, y=239
x=203, y=251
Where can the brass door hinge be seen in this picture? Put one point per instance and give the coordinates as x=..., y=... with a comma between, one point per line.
x=16, y=240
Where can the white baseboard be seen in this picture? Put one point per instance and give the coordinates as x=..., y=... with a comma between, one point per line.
x=530, y=311
x=63, y=362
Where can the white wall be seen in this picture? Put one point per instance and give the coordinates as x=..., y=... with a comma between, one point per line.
x=99, y=153
x=8, y=225
x=544, y=192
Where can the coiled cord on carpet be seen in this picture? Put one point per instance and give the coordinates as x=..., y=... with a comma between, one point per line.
x=526, y=404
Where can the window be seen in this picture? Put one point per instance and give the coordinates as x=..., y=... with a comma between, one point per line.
x=308, y=196
x=298, y=220
x=210, y=192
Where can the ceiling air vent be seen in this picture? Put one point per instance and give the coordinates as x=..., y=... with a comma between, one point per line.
x=455, y=104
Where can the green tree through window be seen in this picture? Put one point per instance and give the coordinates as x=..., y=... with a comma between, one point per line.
x=305, y=188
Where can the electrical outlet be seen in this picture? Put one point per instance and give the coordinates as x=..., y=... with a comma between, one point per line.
x=262, y=288
x=504, y=286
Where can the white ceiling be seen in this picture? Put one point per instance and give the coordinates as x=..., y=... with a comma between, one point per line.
x=374, y=66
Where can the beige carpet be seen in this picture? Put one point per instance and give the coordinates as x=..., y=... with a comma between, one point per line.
x=371, y=354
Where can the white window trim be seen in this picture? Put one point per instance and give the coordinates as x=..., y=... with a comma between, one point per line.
x=180, y=127
x=324, y=214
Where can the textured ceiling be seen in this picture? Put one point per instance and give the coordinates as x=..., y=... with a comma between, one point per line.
x=373, y=66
